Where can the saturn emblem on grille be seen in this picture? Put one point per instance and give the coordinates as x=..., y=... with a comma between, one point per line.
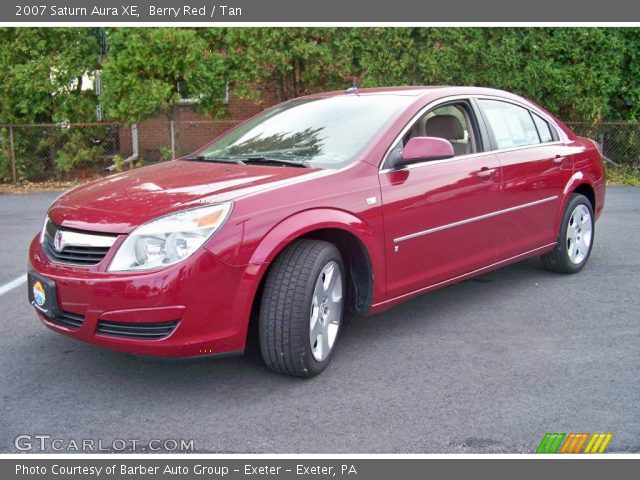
x=58, y=241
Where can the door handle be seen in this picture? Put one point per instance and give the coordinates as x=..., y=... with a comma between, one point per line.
x=486, y=173
x=559, y=159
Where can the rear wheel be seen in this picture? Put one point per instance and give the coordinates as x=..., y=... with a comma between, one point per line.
x=302, y=308
x=575, y=239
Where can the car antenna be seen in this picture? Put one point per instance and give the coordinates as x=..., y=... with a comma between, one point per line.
x=354, y=86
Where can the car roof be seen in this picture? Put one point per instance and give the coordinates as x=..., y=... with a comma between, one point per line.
x=417, y=91
x=428, y=93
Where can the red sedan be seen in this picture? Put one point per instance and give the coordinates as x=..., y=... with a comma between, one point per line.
x=328, y=204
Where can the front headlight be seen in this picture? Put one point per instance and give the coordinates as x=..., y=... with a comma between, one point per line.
x=168, y=240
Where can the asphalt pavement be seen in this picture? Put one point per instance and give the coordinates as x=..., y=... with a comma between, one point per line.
x=487, y=365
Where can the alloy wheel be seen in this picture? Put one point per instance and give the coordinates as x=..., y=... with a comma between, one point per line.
x=579, y=234
x=326, y=311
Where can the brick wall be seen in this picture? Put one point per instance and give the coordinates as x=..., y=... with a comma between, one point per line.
x=192, y=129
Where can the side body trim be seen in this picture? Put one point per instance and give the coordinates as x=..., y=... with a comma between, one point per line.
x=473, y=219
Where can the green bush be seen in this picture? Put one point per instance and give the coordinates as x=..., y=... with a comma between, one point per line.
x=44, y=153
x=78, y=150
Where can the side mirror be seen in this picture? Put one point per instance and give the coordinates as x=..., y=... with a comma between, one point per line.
x=420, y=149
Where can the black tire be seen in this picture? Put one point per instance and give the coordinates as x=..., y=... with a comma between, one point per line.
x=558, y=260
x=285, y=307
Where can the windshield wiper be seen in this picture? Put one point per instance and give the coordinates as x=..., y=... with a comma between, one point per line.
x=278, y=161
x=249, y=159
x=205, y=158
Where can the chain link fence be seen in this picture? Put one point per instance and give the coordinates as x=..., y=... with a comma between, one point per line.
x=42, y=152
x=85, y=150
x=619, y=141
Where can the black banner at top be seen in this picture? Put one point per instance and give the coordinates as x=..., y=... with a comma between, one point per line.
x=299, y=11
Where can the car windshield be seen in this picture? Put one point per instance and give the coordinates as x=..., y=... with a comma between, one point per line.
x=322, y=133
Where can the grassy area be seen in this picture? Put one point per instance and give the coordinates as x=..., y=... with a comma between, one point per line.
x=623, y=175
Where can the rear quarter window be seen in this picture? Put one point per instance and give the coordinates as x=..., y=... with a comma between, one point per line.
x=545, y=130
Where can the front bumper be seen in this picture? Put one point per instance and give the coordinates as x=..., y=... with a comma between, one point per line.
x=208, y=300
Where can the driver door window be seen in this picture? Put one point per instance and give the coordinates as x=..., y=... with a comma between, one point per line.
x=451, y=122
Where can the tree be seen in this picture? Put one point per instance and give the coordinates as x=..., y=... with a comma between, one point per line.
x=627, y=100
x=288, y=62
x=572, y=71
x=42, y=74
x=149, y=70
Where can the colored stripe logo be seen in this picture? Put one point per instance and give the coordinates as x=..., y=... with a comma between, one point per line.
x=550, y=443
x=573, y=443
x=598, y=443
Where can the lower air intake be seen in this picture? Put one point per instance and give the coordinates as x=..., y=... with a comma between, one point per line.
x=143, y=331
x=67, y=319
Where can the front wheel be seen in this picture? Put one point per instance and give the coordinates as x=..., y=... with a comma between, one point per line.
x=302, y=308
x=575, y=240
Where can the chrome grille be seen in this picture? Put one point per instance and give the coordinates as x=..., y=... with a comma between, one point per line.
x=74, y=247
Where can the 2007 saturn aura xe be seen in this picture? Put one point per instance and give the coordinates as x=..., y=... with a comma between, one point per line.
x=330, y=204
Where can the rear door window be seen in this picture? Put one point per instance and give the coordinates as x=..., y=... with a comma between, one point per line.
x=511, y=125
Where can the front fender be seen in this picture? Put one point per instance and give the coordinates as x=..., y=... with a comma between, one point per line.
x=308, y=221
x=296, y=226
x=302, y=223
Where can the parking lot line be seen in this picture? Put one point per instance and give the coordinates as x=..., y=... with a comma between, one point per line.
x=13, y=284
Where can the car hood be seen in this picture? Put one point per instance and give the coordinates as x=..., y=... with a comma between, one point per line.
x=121, y=202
